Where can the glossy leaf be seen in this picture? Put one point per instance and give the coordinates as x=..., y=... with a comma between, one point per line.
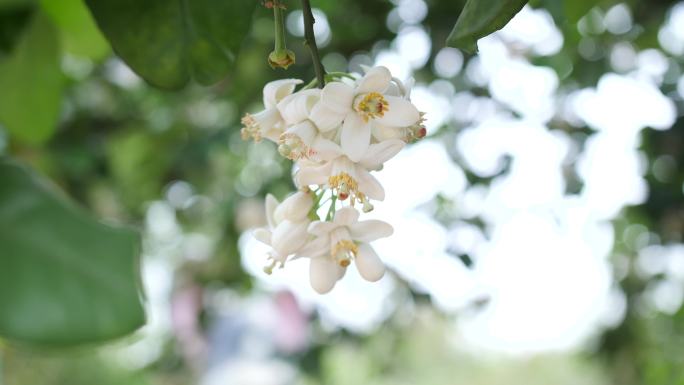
x=65, y=278
x=169, y=42
x=31, y=84
x=480, y=18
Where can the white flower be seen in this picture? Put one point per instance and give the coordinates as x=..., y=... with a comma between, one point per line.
x=287, y=226
x=344, y=177
x=358, y=109
x=269, y=123
x=339, y=242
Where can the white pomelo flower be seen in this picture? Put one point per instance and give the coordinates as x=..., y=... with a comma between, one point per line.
x=340, y=242
x=287, y=226
x=345, y=177
x=269, y=123
x=356, y=109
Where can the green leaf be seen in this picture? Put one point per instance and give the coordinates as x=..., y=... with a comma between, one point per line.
x=64, y=277
x=479, y=18
x=77, y=28
x=31, y=84
x=169, y=42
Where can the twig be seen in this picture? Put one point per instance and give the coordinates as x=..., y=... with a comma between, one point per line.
x=310, y=42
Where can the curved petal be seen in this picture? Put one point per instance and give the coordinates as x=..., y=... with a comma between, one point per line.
x=338, y=97
x=346, y=216
x=288, y=236
x=379, y=153
x=263, y=235
x=297, y=107
x=355, y=137
x=296, y=207
x=400, y=113
x=307, y=176
x=325, y=149
x=323, y=274
x=314, y=249
x=321, y=228
x=369, y=185
x=370, y=230
x=377, y=79
x=369, y=264
x=278, y=89
x=271, y=205
x=324, y=118
x=382, y=133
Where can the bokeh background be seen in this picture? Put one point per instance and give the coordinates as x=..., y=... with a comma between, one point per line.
x=538, y=227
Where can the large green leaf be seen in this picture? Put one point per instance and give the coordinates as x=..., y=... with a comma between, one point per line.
x=169, y=42
x=64, y=277
x=31, y=84
x=479, y=18
x=77, y=28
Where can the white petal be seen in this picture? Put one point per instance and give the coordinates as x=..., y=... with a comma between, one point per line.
x=307, y=176
x=321, y=228
x=288, y=236
x=338, y=97
x=382, y=133
x=369, y=264
x=369, y=185
x=271, y=204
x=263, y=235
x=355, y=137
x=323, y=274
x=295, y=207
x=377, y=79
x=346, y=216
x=400, y=113
x=370, y=230
x=297, y=107
x=324, y=149
x=379, y=153
x=314, y=249
x=278, y=89
x=325, y=118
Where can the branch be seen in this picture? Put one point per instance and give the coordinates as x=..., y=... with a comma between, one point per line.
x=310, y=42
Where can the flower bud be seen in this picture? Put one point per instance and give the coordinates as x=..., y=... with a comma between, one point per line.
x=296, y=207
x=282, y=59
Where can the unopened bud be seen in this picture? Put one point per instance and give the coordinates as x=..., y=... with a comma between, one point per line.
x=282, y=59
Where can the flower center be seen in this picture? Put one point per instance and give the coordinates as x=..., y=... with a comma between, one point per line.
x=416, y=131
x=344, y=251
x=291, y=146
x=343, y=185
x=371, y=105
x=251, y=128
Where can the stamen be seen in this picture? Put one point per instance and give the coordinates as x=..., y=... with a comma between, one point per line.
x=251, y=128
x=344, y=251
x=343, y=185
x=268, y=269
x=416, y=131
x=292, y=147
x=371, y=105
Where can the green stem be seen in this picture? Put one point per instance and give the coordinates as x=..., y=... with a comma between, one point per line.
x=279, y=27
x=331, y=210
x=310, y=42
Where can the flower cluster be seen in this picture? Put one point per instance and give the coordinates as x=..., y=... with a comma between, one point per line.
x=336, y=135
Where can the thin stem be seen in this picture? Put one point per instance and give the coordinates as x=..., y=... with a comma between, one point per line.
x=279, y=27
x=310, y=42
x=331, y=210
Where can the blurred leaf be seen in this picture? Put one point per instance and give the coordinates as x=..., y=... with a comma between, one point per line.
x=12, y=24
x=479, y=18
x=64, y=277
x=31, y=84
x=79, y=33
x=169, y=42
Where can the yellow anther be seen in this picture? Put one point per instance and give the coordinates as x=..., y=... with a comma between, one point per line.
x=372, y=105
x=343, y=251
x=251, y=128
x=344, y=185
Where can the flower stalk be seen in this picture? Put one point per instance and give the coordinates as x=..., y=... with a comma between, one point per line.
x=281, y=57
x=310, y=42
